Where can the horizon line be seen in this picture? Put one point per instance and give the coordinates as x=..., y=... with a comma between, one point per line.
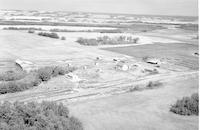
x=106, y=13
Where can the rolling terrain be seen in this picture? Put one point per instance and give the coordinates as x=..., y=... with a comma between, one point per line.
x=109, y=97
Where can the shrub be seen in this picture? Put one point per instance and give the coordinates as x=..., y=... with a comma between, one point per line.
x=108, y=31
x=27, y=82
x=37, y=116
x=58, y=71
x=33, y=79
x=12, y=75
x=45, y=73
x=88, y=42
x=51, y=35
x=187, y=105
x=135, y=88
x=152, y=85
x=135, y=40
x=63, y=38
x=31, y=31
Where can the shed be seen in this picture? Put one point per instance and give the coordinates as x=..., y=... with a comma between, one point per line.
x=153, y=61
x=25, y=65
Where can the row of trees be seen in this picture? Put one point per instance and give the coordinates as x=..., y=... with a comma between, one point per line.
x=105, y=40
x=16, y=81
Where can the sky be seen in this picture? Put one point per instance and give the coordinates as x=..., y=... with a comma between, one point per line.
x=149, y=7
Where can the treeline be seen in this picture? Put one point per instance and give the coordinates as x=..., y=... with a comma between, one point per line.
x=95, y=30
x=105, y=40
x=37, y=116
x=18, y=81
x=21, y=28
x=51, y=35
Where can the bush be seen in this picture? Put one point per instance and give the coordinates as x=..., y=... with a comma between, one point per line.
x=31, y=31
x=187, y=105
x=51, y=35
x=12, y=75
x=63, y=38
x=154, y=84
x=108, y=31
x=58, y=71
x=135, y=88
x=27, y=82
x=87, y=42
x=45, y=73
x=37, y=116
x=33, y=79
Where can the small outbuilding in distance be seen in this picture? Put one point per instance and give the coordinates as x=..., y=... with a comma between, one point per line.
x=122, y=66
x=152, y=60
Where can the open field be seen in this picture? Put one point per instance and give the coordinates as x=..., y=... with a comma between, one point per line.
x=146, y=110
x=113, y=107
x=180, y=54
x=42, y=50
x=109, y=89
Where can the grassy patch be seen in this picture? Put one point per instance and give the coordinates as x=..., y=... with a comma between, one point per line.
x=37, y=116
x=187, y=105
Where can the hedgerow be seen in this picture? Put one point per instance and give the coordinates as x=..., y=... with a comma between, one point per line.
x=33, y=79
x=51, y=35
x=105, y=40
x=12, y=75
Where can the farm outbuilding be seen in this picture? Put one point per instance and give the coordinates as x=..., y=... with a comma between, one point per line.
x=153, y=61
x=122, y=66
x=26, y=65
